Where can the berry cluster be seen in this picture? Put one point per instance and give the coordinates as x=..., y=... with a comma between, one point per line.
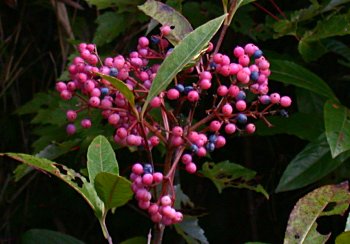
x=144, y=180
x=233, y=92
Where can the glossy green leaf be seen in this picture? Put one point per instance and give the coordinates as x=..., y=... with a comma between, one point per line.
x=337, y=123
x=42, y=236
x=109, y=26
x=69, y=176
x=191, y=46
x=190, y=230
x=304, y=126
x=166, y=15
x=309, y=102
x=114, y=190
x=121, y=87
x=343, y=238
x=335, y=25
x=310, y=165
x=302, y=220
x=101, y=158
x=293, y=74
x=226, y=174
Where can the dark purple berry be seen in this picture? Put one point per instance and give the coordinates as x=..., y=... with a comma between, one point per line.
x=104, y=91
x=254, y=75
x=180, y=88
x=241, y=95
x=284, y=113
x=113, y=72
x=242, y=118
x=212, y=138
x=257, y=54
x=210, y=146
x=188, y=89
x=147, y=169
x=194, y=148
x=154, y=39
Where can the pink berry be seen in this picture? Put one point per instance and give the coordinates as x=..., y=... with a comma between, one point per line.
x=201, y=152
x=220, y=142
x=71, y=115
x=193, y=136
x=191, y=168
x=177, y=141
x=285, y=101
x=147, y=179
x=215, y=125
x=234, y=68
x=205, y=84
x=153, y=209
x=193, y=96
x=225, y=60
x=186, y=158
x=173, y=94
x=166, y=201
x=241, y=105
x=227, y=109
x=165, y=30
x=144, y=204
x=250, y=128
x=143, y=41
x=113, y=119
x=222, y=90
x=243, y=77
x=154, y=140
x=137, y=169
x=122, y=132
x=70, y=129
x=225, y=70
x=156, y=218
x=233, y=91
x=217, y=58
x=250, y=49
x=230, y=128
x=86, y=123
x=157, y=177
x=238, y=51
x=275, y=98
x=244, y=60
x=61, y=86
x=177, y=131
x=205, y=75
x=94, y=101
x=66, y=95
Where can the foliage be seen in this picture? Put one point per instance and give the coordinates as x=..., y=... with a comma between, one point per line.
x=306, y=152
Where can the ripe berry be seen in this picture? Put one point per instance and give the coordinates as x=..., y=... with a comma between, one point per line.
x=240, y=96
x=180, y=88
x=147, y=168
x=193, y=96
x=227, y=109
x=257, y=54
x=242, y=118
x=285, y=101
x=71, y=115
x=250, y=128
x=113, y=72
x=254, y=75
x=70, y=129
x=86, y=123
x=210, y=146
x=230, y=128
x=173, y=94
x=241, y=105
x=191, y=168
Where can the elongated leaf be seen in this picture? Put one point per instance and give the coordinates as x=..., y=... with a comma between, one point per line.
x=42, y=236
x=310, y=46
x=226, y=174
x=114, y=190
x=69, y=176
x=302, y=220
x=337, y=123
x=101, y=158
x=343, y=238
x=166, y=15
x=310, y=165
x=305, y=126
x=121, y=87
x=110, y=25
x=190, y=230
x=294, y=74
x=189, y=48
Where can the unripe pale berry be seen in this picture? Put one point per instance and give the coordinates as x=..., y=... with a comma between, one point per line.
x=166, y=201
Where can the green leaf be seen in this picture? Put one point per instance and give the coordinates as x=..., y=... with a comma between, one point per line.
x=343, y=238
x=337, y=123
x=310, y=165
x=226, y=174
x=347, y=225
x=166, y=15
x=69, y=176
x=310, y=102
x=42, y=236
x=294, y=74
x=302, y=220
x=110, y=25
x=335, y=25
x=191, y=46
x=101, y=158
x=121, y=87
x=304, y=126
x=114, y=190
x=190, y=230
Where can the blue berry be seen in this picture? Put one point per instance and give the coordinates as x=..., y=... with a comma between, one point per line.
x=242, y=118
x=241, y=96
x=188, y=89
x=212, y=138
x=212, y=66
x=180, y=87
x=210, y=146
x=113, y=72
x=104, y=91
x=147, y=169
x=254, y=75
x=257, y=54
x=154, y=39
x=194, y=148
x=284, y=113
